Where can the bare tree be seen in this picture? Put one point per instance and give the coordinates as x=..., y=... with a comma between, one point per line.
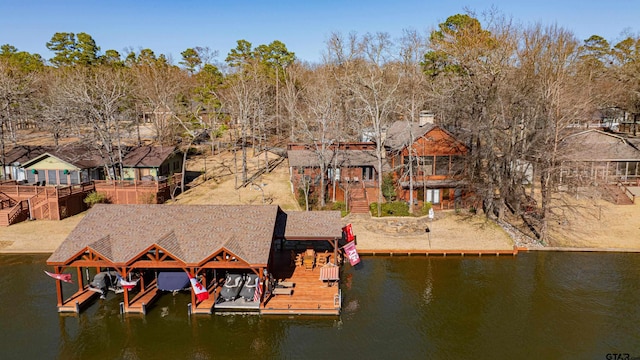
x=16, y=89
x=101, y=95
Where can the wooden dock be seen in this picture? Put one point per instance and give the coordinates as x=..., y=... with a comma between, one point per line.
x=143, y=299
x=206, y=307
x=78, y=301
x=310, y=295
x=440, y=252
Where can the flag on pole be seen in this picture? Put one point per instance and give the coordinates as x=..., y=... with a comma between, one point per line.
x=200, y=291
x=348, y=232
x=61, y=277
x=352, y=253
x=126, y=284
x=258, y=293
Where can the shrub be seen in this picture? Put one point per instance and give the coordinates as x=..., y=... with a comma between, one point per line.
x=388, y=187
x=340, y=205
x=95, y=198
x=425, y=208
x=313, y=198
x=395, y=208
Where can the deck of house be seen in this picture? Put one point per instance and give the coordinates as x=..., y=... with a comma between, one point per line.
x=308, y=296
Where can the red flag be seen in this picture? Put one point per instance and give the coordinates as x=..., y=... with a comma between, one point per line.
x=352, y=253
x=201, y=292
x=128, y=285
x=348, y=231
x=258, y=293
x=61, y=277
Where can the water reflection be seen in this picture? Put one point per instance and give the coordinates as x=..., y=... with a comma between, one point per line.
x=546, y=305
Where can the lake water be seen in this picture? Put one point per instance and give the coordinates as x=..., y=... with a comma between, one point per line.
x=532, y=306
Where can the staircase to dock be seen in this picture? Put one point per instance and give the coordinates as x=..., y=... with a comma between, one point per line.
x=11, y=210
x=358, y=203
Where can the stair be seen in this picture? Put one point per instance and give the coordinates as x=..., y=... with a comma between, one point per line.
x=358, y=203
x=616, y=195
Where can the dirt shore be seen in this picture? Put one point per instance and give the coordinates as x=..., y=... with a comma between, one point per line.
x=595, y=224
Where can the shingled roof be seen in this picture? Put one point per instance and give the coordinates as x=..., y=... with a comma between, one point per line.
x=191, y=233
x=596, y=145
x=313, y=224
x=344, y=158
x=147, y=156
x=400, y=132
x=23, y=153
x=74, y=154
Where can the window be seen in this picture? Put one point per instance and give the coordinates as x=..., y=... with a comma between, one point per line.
x=433, y=196
x=367, y=173
x=63, y=177
x=442, y=165
x=52, y=177
x=457, y=165
x=426, y=165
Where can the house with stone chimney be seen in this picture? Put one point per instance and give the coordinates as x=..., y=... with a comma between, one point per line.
x=427, y=162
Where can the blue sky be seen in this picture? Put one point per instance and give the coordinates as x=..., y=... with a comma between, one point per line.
x=170, y=27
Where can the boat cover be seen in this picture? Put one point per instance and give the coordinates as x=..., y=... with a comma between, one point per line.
x=172, y=281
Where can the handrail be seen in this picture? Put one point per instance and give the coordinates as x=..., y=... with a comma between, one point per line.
x=629, y=193
x=16, y=210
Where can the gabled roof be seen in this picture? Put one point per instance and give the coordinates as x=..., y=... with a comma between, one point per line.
x=596, y=145
x=147, y=156
x=400, y=133
x=77, y=155
x=23, y=153
x=343, y=158
x=190, y=232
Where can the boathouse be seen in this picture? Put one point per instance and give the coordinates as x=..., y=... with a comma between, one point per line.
x=212, y=243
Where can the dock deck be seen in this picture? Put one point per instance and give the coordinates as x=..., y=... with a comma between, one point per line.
x=310, y=295
x=78, y=301
x=143, y=299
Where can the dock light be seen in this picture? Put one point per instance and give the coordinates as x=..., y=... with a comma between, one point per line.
x=34, y=171
x=66, y=172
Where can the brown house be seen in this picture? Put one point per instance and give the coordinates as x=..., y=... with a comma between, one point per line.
x=427, y=160
x=597, y=157
x=352, y=169
x=151, y=163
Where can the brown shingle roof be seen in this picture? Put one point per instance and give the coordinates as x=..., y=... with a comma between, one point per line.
x=74, y=154
x=344, y=158
x=190, y=232
x=400, y=132
x=313, y=224
x=23, y=153
x=596, y=145
x=147, y=156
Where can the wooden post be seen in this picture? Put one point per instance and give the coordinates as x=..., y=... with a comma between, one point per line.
x=80, y=282
x=123, y=273
x=58, y=270
x=192, y=273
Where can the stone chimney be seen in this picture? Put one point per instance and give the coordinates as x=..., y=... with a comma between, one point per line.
x=426, y=117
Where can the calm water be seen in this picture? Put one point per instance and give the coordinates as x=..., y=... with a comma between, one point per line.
x=533, y=306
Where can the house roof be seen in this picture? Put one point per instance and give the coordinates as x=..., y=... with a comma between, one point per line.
x=596, y=145
x=23, y=153
x=191, y=233
x=313, y=224
x=400, y=133
x=342, y=158
x=147, y=156
x=74, y=154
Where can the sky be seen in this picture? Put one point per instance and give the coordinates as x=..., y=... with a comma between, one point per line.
x=170, y=27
